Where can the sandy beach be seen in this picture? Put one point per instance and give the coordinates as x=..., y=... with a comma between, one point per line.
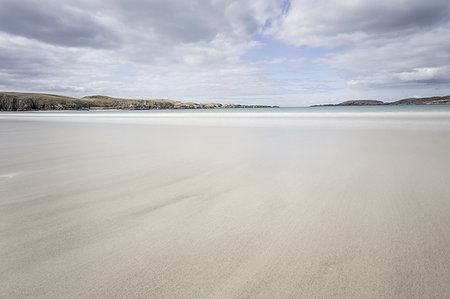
x=225, y=205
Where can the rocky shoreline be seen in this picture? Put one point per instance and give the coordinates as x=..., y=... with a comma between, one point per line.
x=15, y=101
x=410, y=101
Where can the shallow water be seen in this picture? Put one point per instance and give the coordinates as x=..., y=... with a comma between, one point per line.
x=300, y=202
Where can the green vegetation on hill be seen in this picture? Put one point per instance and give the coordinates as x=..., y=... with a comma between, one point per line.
x=15, y=101
x=410, y=101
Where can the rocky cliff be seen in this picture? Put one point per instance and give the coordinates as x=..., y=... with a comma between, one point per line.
x=11, y=101
x=14, y=101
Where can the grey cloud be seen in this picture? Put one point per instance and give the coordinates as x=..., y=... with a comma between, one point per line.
x=334, y=23
x=54, y=24
x=21, y=66
x=379, y=18
x=188, y=21
x=183, y=21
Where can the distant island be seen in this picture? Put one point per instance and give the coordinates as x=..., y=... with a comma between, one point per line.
x=409, y=101
x=18, y=101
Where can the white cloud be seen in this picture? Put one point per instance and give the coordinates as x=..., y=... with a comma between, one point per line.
x=278, y=60
x=386, y=42
x=179, y=49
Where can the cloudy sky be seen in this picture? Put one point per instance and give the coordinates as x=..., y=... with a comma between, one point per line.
x=290, y=53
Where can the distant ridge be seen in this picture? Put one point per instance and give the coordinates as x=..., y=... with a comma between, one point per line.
x=409, y=101
x=18, y=101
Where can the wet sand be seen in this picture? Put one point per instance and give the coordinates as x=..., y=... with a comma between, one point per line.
x=103, y=205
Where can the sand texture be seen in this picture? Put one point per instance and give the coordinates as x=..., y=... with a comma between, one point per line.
x=313, y=205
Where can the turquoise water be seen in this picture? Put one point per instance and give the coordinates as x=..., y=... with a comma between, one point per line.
x=327, y=109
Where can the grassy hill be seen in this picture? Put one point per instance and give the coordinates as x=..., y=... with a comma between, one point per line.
x=409, y=101
x=17, y=101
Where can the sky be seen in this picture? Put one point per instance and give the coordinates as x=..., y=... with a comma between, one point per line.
x=281, y=52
